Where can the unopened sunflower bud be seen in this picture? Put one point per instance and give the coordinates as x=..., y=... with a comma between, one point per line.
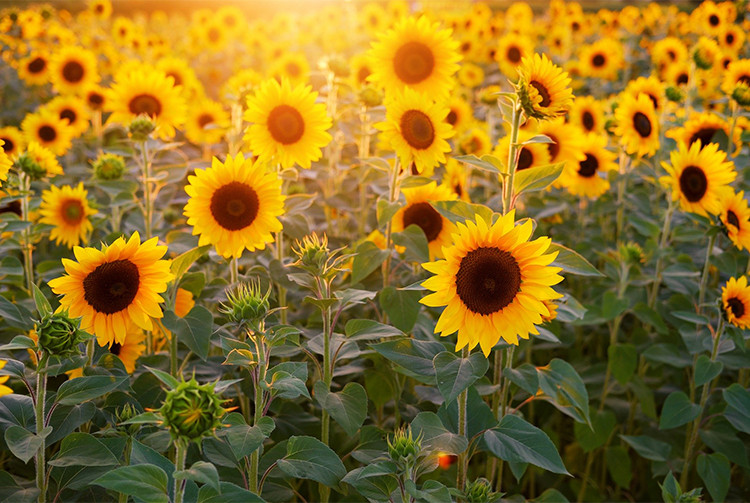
x=675, y=94
x=480, y=491
x=371, y=97
x=404, y=449
x=339, y=66
x=25, y=163
x=59, y=335
x=312, y=253
x=109, y=167
x=141, y=127
x=741, y=95
x=246, y=305
x=192, y=411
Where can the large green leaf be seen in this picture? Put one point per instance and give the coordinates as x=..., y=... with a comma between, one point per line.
x=347, y=407
x=86, y=388
x=714, y=470
x=454, y=374
x=309, y=458
x=194, y=330
x=677, y=410
x=516, y=440
x=144, y=482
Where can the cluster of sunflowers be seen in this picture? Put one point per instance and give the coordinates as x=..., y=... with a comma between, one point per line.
x=426, y=145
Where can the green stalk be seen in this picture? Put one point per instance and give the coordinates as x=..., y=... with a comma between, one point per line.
x=179, y=463
x=393, y=186
x=463, y=457
x=259, y=407
x=41, y=392
x=512, y=158
x=24, y=183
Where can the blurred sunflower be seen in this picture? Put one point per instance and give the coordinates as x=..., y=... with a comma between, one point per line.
x=544, y=89
x=287, y=126
x=637, y=125
x=146, y=91
x=418, y=211
x=68, y=210
x=72, y=109
x=511, y=49
x=72, y=69
x=206, y=123
x=13, y=142
x=735, y=216
x=584, y=178
x=735, y=299
x=699, y=177
x=110, y=287
x=34, y=69
x=588, y=113
x=48, y=130
x=493, y=282
x=416, y=129
x=234, y=205
x=415, y=53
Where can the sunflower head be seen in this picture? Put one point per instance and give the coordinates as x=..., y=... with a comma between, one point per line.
x=543, y=88
x=735, y=299
x=59, y=335
x=192, y=411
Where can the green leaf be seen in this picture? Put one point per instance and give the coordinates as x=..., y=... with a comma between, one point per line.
x=16, y=315
x=460, y=211
x=194, y=330
x=454, y=374
x=309, y=458
x=83, y=449
x=182, y=262
x=714, y=470
x=623, y=360
x=706, y=370
x=648, y=447
x=348, y=407
x=516, y=440
x=86, y=388
x=402, y=306
x=603, y=424
x=562, y=384
x=486, y=163
x=571, y=262
x=365, y=330
x=202, y=472
x=43, y=306
x=414, y=241
x=618, y=465
x=537, y=178
x=144, y=482
x=24, y=444
x=413, y=356
x=167, y=379
x=435, y=436
x=369, y=258
x=677, y=410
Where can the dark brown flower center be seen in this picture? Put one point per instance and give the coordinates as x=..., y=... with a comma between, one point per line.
x=426, y=217
x=112, y=286
x=513, y=54
x=487, y=280
x=598, y=60
x=37, y=65
x=704, y=135
x=72, y=211
x=72, y=72
x=286, y=124
x=145, y=104
x=642, y=124
x=204, y=120
x=69, y=114
x=693, y=183
x=732, y=219
x=525, y=159
x=543, y=92
x=417, y=129
x=47, y=133
x=588, y=120
x=234, y=206
x=587, y=168
x=413, y=62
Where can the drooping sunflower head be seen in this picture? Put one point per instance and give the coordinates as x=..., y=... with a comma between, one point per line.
x=543, y=87
x=699, y=177
x=420, y=212
x=735, y=299
x=493, y=282
x=235, y=205
x=735, y=216
x=637, y=124
x=110, y=287
x=68, y=210
x=415, y=53
x=415, y=127
x=48, y=130
x=287, y=126
x=73, y=69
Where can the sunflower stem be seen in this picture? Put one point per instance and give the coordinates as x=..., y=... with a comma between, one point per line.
x=392, y=198
x=179, y=464
x=515, y=126
x=704, y=276
x=41, y=392
x=463, y=457
x=24, y=183
x=692, y=437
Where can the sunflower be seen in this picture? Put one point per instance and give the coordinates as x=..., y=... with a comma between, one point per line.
x=735, y=299
x=543, y=88
x=287, y=126
x=588, y=113
x=292, y=66
x=34, y=69
x=13, y=142
x=234, y=205
x=735, y=215
x=493, y=282
x=511, y=49
x=48, y=130
x=584, y=178
x=701, y=128
x=73, y=110
x=460, y=113
x=73, y=69
x=651, y=87
x=738, y=72
x=416, y=129
x=110, y=287
x=415, y=53
x=456, y=177
x=531, y=155
x=418, y=211
x=206, y=123
x=146, y=91
x=44, y=159
x=699, y=177
x=68, y=210
x=602, y=59
x=637, y=125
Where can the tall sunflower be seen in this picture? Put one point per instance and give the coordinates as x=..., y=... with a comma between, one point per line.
x=699, y=177
x=735, y=215
x=72, y=69
x=110, y=287
x=415, y=53
x=234, y=205
x=637, y=125
x=493, y=282
x=67, y=208
x=543, y=87
x=418, y=211
x=287, y=126
x=735, y=299
x=585, y=177
x=146, y=91
x=48, y=130
x=416, y=129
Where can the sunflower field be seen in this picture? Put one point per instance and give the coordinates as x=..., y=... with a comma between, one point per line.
x=350, y=251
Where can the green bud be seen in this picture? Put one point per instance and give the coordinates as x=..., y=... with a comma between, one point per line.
x=370, y=97
x=192, y=411
x=480, y=491
x=246, y=305
x=312, y=254
x=141, y=127
x=109, y=167
x=59, y=335
x=404, y=449
x=24, y=163
x=675, y=94
x=741, y=94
